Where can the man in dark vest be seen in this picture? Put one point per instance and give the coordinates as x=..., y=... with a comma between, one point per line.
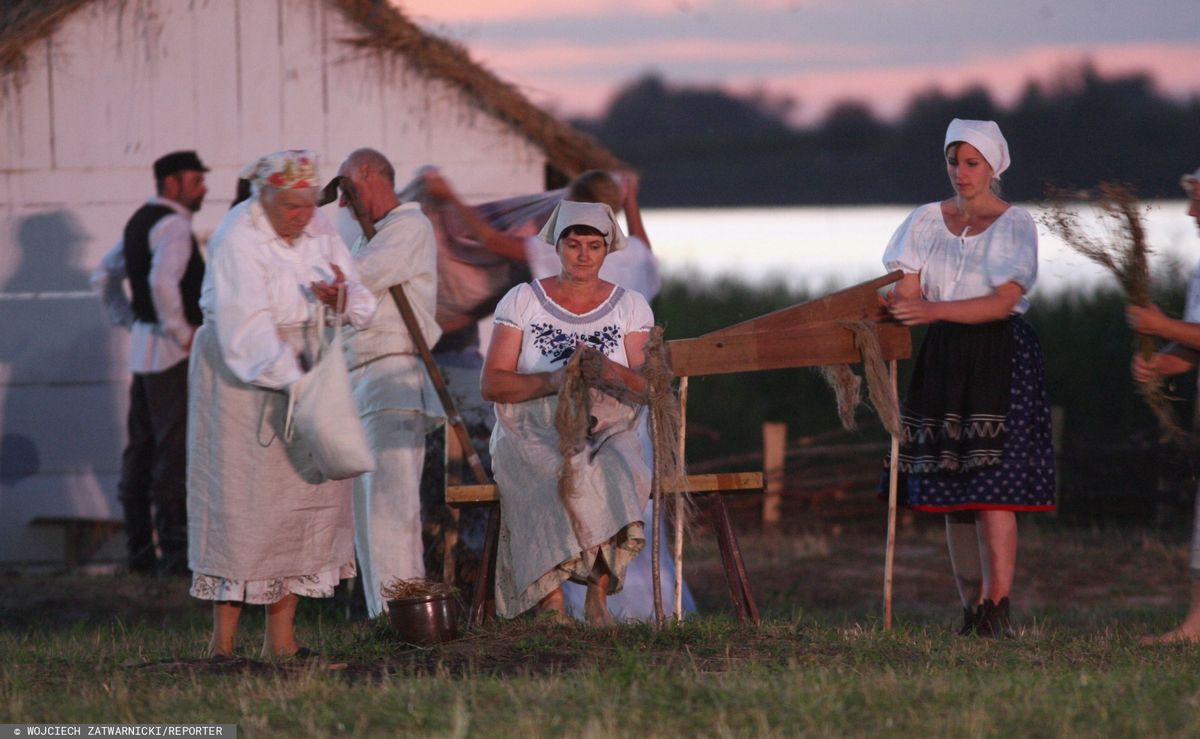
x=165, y=269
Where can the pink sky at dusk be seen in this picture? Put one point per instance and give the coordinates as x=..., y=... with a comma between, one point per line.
x=572, y=57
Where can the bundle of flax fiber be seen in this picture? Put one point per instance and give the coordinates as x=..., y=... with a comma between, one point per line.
x=585, y=373
x=847, y=386
x=1121, y=249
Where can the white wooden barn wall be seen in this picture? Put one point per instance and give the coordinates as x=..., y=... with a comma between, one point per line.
x=118, y=84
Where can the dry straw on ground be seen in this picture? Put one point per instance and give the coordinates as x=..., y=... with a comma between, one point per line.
x=1119, y=245
x=415, y=588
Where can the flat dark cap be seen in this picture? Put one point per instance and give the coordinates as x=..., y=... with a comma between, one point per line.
x=177, y=161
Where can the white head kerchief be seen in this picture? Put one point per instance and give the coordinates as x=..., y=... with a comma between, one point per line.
x=984, y=136
x=597, y=215
x=1190, y=182
x=288, y=169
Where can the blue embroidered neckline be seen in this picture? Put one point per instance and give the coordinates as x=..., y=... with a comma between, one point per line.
x=566, y=316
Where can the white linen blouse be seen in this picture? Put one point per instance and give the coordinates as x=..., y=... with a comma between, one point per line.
x=550, y=332
x=256, y=282
x=960, y=267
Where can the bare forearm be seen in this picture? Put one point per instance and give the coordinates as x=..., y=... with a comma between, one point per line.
x=993, y=307
x=633, y=218
x=498, y=242
x=630, y=378
x=502, y=386
x=1181, y=332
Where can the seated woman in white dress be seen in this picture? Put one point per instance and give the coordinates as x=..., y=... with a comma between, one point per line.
x=592, y=534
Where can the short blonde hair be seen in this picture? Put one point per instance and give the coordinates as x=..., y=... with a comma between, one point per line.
x=595, y=186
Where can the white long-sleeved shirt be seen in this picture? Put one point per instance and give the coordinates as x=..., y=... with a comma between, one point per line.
x=153, y=347
x=385, y=373
x=402, y=252
x=256, y=283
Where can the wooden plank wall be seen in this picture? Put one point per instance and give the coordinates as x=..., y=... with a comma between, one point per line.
x=117, y=85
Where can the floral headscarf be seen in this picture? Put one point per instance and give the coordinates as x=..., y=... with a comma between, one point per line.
x=286, y=170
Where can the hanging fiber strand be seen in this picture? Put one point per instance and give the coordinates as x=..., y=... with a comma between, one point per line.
x=669, y=472
x=879, y=384
x=571, y=420
x=670, y=475
x=847, y=386
x=847, y=389
x=585, y=373
x=1123, y=251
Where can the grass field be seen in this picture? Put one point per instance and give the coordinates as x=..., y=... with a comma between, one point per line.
x=121, y=649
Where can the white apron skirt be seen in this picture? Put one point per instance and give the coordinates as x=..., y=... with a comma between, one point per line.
x=545, y=540
x=262, y=521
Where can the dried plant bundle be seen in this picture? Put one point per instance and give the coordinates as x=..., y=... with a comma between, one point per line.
x=415, y=588
x=1119, y=245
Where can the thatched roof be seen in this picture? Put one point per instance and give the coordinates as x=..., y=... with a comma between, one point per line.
x=386, y=28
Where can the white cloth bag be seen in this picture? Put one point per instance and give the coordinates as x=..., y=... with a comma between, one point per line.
x=323, y=414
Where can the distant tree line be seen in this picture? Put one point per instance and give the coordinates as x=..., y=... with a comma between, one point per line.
x=706, y=147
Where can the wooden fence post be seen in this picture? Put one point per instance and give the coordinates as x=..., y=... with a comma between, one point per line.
x=774, y=454
x=453, y=464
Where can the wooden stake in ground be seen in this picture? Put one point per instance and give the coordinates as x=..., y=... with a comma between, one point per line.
x=655, y=563
x=680, y=515
x=893, y=483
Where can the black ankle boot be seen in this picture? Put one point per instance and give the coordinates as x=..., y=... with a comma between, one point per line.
x=994, y=621
x=970, y=620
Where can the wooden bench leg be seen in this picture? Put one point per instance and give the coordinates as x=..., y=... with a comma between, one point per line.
x=453, y=476
x=483, y=599
x=735, y=569
x=73, y=546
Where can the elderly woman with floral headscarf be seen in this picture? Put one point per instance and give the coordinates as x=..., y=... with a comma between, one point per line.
x=264, y=526
x=976, y=442
x=590, y=532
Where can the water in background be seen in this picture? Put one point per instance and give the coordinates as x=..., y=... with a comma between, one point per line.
x=823, y=248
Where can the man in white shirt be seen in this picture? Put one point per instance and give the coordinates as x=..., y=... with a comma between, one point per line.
x=160, y=259
x=395, y=396
x=1180, y=355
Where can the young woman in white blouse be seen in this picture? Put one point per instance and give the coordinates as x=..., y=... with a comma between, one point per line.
x=976, y=442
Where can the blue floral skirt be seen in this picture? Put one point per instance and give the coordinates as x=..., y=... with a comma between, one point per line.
x=1023, y=477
